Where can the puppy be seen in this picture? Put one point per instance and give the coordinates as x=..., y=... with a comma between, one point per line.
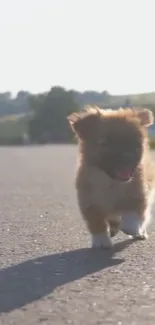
x=115, y=175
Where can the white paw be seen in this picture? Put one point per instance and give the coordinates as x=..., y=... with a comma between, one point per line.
x=141, y=235
x=101, y=241
x=132, y=225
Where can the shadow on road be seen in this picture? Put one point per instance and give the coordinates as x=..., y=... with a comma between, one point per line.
x=33, y=279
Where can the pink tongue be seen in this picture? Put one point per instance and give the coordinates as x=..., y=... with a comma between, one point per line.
x=125, y=173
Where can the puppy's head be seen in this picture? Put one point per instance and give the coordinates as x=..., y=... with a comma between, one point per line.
x=112, y=140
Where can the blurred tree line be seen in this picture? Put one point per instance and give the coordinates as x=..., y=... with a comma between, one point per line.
x=48, y=122
x=42, y=117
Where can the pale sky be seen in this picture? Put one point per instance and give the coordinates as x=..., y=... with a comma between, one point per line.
x=77, y=44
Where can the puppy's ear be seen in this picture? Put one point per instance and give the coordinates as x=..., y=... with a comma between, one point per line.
x=84, y=123
x=146, y=117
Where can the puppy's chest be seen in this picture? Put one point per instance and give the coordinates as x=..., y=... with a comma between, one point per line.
x=112, y=196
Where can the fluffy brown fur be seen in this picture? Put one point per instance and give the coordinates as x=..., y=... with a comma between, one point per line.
x=115, y=173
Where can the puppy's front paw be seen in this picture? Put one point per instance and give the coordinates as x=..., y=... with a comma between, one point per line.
x=102, y=240
x=140, y=235
x=133, y=226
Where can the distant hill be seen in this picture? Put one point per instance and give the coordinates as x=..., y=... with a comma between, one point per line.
x=20, y=104
x=105, y=99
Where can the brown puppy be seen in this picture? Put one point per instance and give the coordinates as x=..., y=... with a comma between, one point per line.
x=115, y=176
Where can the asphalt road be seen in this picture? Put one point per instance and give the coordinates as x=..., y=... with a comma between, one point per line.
x=48, y=274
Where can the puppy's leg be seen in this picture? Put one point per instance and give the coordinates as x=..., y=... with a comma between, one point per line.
x=147, y=215
x=133, y=224
x=98, y=227
x=136, y=224
x=114, y=225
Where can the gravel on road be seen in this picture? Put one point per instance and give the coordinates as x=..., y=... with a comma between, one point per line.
x=48, y=273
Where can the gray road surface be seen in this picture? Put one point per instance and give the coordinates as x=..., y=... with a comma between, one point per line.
x=48, y=274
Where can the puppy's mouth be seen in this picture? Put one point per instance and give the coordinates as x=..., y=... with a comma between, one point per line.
x=124, y=174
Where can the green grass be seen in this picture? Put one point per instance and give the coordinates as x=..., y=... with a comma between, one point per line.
x=12, y=128
x=152, y=143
